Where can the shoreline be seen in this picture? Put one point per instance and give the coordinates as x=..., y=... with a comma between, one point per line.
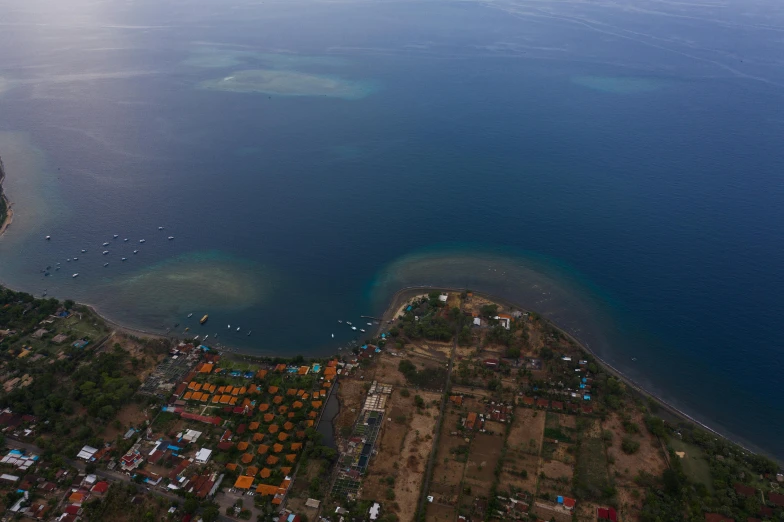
x=9, y=212
x=405, y=294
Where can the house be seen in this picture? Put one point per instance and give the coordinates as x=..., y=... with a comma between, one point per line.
x=607, y=514
x=375, y=510
x=100, y=488
x=715, y=517
x=203, y=455
x=776, y=498
x=745, y=491
x=470, y=421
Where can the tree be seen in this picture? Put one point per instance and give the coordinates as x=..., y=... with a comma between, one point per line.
x=210, y=513
x=191, y=505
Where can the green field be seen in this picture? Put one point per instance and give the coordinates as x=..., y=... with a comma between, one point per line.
x=591, y=477
x=695, y=465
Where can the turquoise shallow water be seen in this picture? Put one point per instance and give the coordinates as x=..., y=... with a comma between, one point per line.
x=615, y=166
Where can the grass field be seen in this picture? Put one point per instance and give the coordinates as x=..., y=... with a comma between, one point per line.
x=695, y=465
x=591, y=480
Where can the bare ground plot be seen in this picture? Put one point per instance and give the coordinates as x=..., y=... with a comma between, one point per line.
x=429, y=350
x=129, y=415
x=527, y=431
x=402, y=455
x=351, y=394
x=386, y=370
x=557, y=478
x=449, y=462
x=586, y=511
x=439, y=513
x=649, y=458
x=630, y=501
x=470, y=390
x=482, y=459
x=548, y=511
x=520, y=471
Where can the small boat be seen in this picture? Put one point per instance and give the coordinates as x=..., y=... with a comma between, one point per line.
x=104, y=252
x=229, y=327
x=196, y=338
x=135, y=251
x=348, y=323
x=190, y=314
x=84, y=251
x=203, y=319
x=68, y=260
x=106, y=264
x=634, y=358
x=171, y=237
x=333, y=336
x=370, y=324
x=116, y=236
x=48, y=238
x=125, y=259
x=205, y=337
x=353, y=327
x=125, y=240
x=187, y=329
x=142, y=240
x=238, y=328
x=75, y=275
x=76, y=259
x=249, y=331
x=160, y=228
x=361, y=330
x=57, y=268
x=106, y=244
x=340, y=320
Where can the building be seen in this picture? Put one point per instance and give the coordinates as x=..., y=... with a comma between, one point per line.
x=203, y=455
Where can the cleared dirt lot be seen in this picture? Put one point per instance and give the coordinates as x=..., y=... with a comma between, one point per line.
x=648, y=458
x=514, y=463
x=439, y=513
x=527, y=426
x=484, y=454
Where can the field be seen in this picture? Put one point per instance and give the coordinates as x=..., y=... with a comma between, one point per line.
x=592, y=480
x=695, y=465
x=649, y=458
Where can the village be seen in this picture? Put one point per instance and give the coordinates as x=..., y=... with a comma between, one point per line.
x=459, y=408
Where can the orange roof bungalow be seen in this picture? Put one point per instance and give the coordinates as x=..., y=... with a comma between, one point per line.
x=76, y=497
x=243, y=482
x=283, y=409
x=282, y=436
x=235, y=391
x=273, y=428
x=187, y=396
x=242, y=446
x=243, y=390
x=233, y=401
x=264, y=407
x=291, y=457
x=216, y=399
x=297, y=405
x=288, y=426
x=291, y=391
x=305, y=396
x=277, y=448
x=309, y=423
x=206, y=368
x=313, y=415
x=263, y=449
x=272, y=460
x=300, y=392
x=528, y=401
x=457, y=399
x=252, y=389
x=196, y=396
x=265, y=473
x=266, y=489
x=272, y=390
x=277, y=400
x=251, y=471
x=225, y=399
x=261, y=374
x=268, y=417
x=303, y=370
x=296, y=446
x=221, y=389
x=280, y=368
x=228, y=388
x=301, y=434
x=231, y=466
x=253, y=426
x=470, y=421
x=247, y=458
x=204, y=397
x=316, y=404
x=290, y=415
x=286, y=470
x=258, y=437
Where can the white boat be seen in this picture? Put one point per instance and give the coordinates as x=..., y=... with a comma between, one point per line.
x=135, y=251
x=84, y=251
x=196, y=338
x=105, y=252
x=160, y=228
x=126, y=239
x=353, y=327
x=340, y=320
x=68, y=260
x=361, y=330
x=57, y=268
x=106, y=264
x=238, y=328
x=75, y=275
x=116, y=236
x=348, y=323
x=190, y=314
x=333, y=336
x=76, y=259
x=142, y=240
x=205, y=337
x=106, y=244
x=171, y=237
x=48, y=238
x=369, y=324
x=125, y=259
x=229, y=327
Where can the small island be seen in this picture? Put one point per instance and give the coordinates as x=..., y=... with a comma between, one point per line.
x=460, y=406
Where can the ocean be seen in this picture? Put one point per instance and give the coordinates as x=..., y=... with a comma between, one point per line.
x=615, y=166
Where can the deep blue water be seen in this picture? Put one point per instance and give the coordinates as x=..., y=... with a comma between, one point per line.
x=618, y=167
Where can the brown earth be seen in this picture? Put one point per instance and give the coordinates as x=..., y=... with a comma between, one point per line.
x=648, y=458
